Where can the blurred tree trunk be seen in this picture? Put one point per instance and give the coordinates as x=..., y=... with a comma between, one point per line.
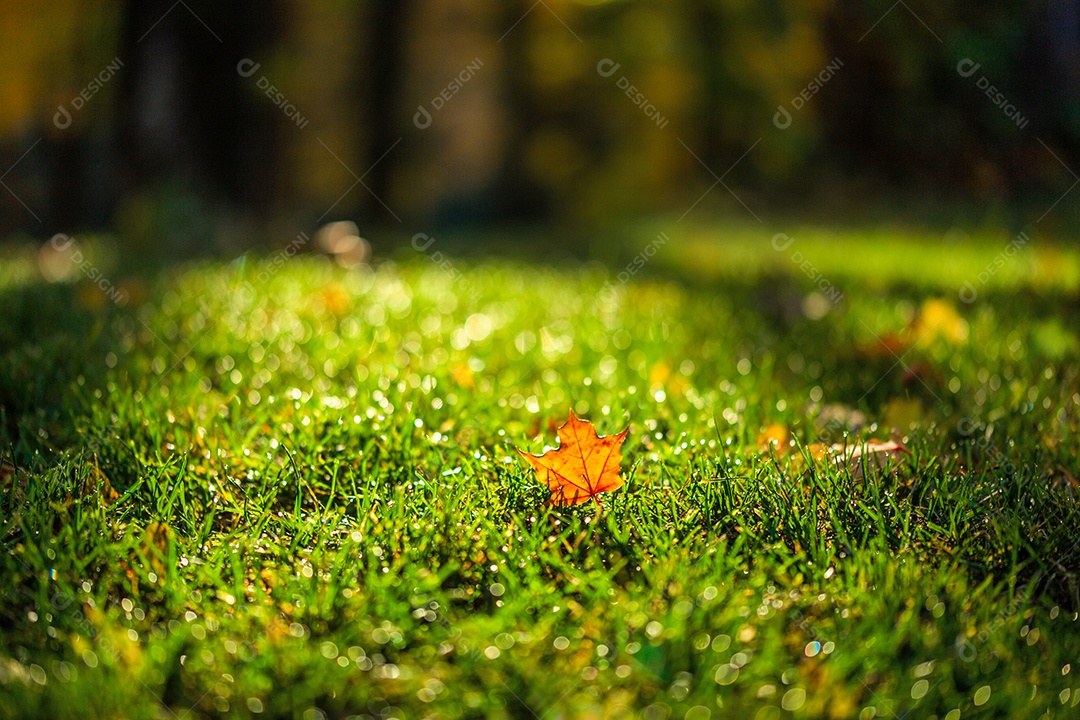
x=381, y=91
x=186, y=118
x=705, y=17
x=518, y=196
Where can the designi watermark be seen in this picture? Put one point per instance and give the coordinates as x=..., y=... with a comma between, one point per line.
x=423, y=117
x=781, y=242
x=66, y=244
x=967, y=648
x=422, y=242
x=635, y=266
x=968, y=67
x=273, y=265
x=782, y=118
x=968, y=292
x=63, y=117
x=608, y=67
x=248, y=67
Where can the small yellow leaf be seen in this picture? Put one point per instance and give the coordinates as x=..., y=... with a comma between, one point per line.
x=776, y=437
x=938, y=319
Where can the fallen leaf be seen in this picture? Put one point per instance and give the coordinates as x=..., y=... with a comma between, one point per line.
x=1064, y=480
x=102, y=485
x=939, y=318
x=462, y=374
x=888, y=346
x=873, y=454
x=659, y=373
x=835, y=419
x=90, y=297
x=921, y=374
x=583, y=465
x=889, y=448
x=855, y=457
x=819, y=451
x=155, y=546
x=776, y=438
x=335, y=298
x=133, y=291
x=11, y=477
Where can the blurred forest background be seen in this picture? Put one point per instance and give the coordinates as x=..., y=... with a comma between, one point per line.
x=203, y=124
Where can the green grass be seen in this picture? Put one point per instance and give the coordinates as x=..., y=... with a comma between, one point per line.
x=303, y=501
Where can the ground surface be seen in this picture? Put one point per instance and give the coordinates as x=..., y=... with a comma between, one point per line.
x=289, y=490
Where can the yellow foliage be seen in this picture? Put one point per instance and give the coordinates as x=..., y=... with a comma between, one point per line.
x=938, y=318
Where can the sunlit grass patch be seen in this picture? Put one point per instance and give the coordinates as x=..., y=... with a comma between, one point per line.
x=291, y=489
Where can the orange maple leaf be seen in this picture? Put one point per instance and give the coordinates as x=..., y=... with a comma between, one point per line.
x=583, y=465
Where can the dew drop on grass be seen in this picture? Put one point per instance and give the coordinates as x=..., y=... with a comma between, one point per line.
x=37, y=674
x=698, y=712
x=726, y=674
x=793, y=699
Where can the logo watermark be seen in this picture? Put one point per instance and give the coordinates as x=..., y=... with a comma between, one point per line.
x=274, y=264
x=66, y=245
x=278, y=260
x=62, y=118
x=608, y=67
x=635, y=266
x=968, y=292
x=423, y=117
x=61, y=601
x=968, y=67
x=782, y=118
x=422, y=242
x=248, y=67
x=781, y=242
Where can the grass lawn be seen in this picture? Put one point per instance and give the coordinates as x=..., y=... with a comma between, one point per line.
x=290, y=490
